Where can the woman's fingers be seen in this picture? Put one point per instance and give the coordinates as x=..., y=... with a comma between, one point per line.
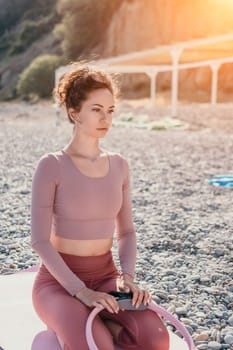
x=113, y=303
x=108, y=303
x=107, y=306
x=93, y=298
x=140, y=296
x=147, y=297
x=135, y=296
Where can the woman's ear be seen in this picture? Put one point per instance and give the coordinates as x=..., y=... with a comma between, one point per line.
x=73, y=114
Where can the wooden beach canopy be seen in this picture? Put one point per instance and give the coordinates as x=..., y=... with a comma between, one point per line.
x=211, y=51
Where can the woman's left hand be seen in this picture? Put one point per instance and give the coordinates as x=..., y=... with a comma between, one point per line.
x=127, y=284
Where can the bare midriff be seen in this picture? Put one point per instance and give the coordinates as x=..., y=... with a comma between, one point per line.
x=81, y=247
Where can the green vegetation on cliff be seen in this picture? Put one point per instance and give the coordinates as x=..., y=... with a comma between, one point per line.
x=83, y=24
x=28, y=29
x=38, y=78
x=22, y=22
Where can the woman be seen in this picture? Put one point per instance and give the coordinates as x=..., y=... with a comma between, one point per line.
x=79, y=193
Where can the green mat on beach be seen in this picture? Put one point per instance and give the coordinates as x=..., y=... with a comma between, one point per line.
x=143, y=121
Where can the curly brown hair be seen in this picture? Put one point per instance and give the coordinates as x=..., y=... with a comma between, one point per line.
x=81, y=79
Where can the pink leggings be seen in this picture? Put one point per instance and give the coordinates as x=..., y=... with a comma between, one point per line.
x=67, y=315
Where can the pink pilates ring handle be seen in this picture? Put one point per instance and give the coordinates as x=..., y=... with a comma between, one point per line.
x=153, y=307
x=175, y=322
x=89, y=336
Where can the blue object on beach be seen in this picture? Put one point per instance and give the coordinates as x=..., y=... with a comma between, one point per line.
x=224, y=176
x=222, y=180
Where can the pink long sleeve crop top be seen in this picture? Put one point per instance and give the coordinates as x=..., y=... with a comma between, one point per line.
x=75, y=206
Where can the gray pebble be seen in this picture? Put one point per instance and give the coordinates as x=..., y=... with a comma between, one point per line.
x=230, y=320
x=228, y=339
x=214, y=345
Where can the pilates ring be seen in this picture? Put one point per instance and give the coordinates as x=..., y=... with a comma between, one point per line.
x=151, y=306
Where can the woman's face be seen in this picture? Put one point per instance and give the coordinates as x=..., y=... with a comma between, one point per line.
x=96, y=113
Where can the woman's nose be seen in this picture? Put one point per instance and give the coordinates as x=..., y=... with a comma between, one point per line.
x=104, y=115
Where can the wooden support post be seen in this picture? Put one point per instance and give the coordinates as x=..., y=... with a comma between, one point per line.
x=214, y=83
x=152, y=75
x=175, y=70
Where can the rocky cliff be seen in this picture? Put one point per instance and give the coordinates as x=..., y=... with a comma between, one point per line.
x=143, y=24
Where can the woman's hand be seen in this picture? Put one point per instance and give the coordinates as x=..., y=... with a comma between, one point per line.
x=126, y=284
x=91, y=298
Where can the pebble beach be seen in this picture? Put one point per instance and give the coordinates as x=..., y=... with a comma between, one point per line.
x=183, y=224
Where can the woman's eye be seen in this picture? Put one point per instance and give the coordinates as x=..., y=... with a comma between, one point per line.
x=98, y=109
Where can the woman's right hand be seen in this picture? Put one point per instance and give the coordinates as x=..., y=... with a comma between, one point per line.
x=93, y=298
